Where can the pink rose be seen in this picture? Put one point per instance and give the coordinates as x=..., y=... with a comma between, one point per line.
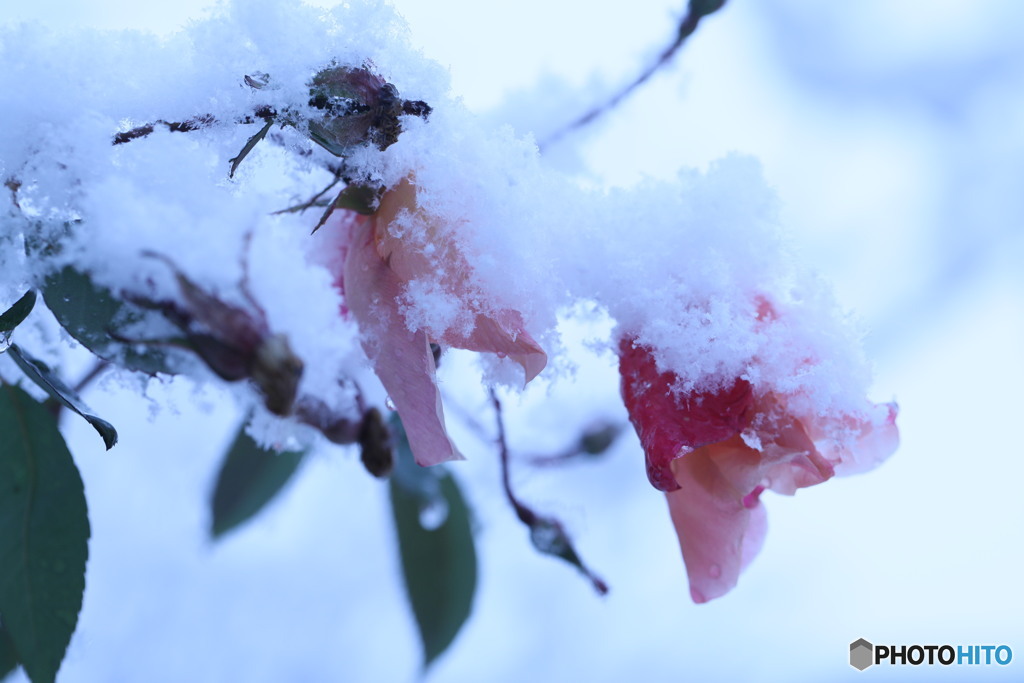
x=380, y=265
x=715, y=452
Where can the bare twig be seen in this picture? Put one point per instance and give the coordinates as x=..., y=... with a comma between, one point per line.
x=173, y=126
x=546, y=533
x=697, y=10
x=314, y=201
x=88, y=378
x=260, y=113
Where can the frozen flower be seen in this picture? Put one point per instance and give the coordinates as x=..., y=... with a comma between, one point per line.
x=714, y=452
x=408, y=283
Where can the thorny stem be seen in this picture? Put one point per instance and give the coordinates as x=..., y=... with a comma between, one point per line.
x=262, y=112
x=538, y=524
x=686, y=28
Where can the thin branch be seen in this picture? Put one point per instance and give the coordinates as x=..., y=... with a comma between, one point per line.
x=525, y=514
x=94, y=372
x=198, y=122
x=697, y=10
x=546, y=533
x=260, y=113
x=315, y=201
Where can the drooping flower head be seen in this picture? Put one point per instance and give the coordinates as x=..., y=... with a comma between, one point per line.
x=714, y=453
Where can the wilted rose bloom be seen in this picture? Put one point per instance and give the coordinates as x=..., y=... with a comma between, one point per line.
x=381, y=265
x=715, y=452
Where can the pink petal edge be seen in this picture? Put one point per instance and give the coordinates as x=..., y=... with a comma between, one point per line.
x=401, y=358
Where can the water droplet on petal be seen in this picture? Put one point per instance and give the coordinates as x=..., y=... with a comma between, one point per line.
x=389, y=404
x=715, y=571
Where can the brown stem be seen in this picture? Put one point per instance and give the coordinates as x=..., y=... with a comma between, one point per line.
x=87, y=379
x=546, y=533
x=686, y=28
x=263, y=112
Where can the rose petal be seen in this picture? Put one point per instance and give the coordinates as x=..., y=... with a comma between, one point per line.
x=670, y=426
x=500, y=332
x=401, y=358
x=717, y=511
x=877, y=437
x=789, y=457
x=504, y=335
x=718, y=534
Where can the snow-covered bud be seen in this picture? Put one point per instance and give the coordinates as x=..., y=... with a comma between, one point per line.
x=358, y=107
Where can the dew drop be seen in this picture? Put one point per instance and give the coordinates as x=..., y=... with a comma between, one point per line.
x=389, y=404
x=434, y=514
x=715, y=571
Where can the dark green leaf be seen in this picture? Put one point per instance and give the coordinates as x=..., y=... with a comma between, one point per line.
x=14, y=315
x=38, y=372
x=8, y=657
x=703, y=8
x=89, y=313
x=599, y=437
x=44, y=533
x=436, y=544
x=249, y=478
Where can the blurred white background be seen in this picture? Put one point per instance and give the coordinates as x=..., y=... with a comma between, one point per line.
x=893, y=131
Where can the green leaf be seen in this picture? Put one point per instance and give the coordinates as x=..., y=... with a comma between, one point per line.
x=14, y=315
x=8, y=657
x=249, y=478
x=703, y=8
x=44, y=533
x=89, y=312
x=38, y=372
x=436, y=544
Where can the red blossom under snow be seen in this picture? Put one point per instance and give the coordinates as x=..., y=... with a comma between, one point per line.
x=715, y=452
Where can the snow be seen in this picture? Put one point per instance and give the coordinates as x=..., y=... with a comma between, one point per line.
x=679, y=265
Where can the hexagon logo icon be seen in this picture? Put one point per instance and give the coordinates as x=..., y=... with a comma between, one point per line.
x=861, y=654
